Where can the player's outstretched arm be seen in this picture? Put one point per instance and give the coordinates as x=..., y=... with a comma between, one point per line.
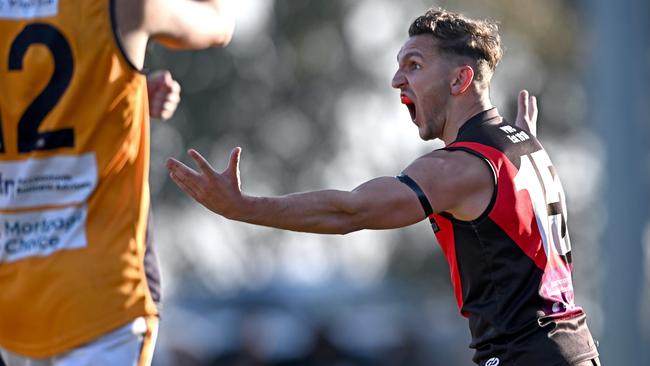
x=164, y=94
x=326, y=212
x=527, y=112
x=381, y=203
x=191, y=24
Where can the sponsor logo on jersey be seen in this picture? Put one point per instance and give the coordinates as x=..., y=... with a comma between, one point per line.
x=28, y=9
x=41, y=233
x=494, y=361
x=54, y=181
x=514, y=135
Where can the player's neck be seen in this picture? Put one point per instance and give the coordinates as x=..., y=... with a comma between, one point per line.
x=462, y=110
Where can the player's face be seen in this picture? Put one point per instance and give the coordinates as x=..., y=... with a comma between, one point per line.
x=423, y=77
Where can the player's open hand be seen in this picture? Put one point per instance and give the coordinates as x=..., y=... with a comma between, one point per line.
x=527, y=112
x=219, y=192
x=164, y=94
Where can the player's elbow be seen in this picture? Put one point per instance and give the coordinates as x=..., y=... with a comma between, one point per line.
x=352, y=216
x=218, y=34
x=222, y=34
x=208, y=30
x=223, y=22
x=346, y=227
x=334, y=224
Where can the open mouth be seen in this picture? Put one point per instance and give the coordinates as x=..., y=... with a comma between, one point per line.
x=410, y=105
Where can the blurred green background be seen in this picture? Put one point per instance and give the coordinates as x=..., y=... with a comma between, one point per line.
x=304, y=89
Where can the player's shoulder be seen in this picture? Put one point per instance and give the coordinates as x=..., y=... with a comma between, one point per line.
x=449, y=158
x=456, y=167
x=451, y=178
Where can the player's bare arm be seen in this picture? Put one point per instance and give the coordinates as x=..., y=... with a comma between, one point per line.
x=453, y=181
x=448, y=178
x=191, y=24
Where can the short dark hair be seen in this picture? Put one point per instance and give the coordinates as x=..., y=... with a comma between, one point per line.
x=458, y=35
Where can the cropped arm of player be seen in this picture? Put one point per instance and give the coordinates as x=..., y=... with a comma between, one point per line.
x=453, y=181
x=381, y=203
x=188, y=24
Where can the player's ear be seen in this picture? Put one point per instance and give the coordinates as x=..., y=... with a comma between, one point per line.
x=462, y=78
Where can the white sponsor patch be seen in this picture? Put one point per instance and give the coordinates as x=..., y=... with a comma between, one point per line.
x=59, y=180
x=42, y=233
x=28, y=9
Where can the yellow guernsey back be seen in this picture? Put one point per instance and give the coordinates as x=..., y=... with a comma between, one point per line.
x=74, y=159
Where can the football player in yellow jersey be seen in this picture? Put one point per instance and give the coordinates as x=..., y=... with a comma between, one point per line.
x=74, y=161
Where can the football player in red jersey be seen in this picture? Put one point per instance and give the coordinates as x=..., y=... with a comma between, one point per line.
x=494, y=200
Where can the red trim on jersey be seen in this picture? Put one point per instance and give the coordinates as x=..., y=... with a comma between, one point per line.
x=520, y=224
x=447, y=242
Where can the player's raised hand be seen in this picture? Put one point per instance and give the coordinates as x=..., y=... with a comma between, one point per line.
x=164, y=94
x=527, y=112
x=219, y=192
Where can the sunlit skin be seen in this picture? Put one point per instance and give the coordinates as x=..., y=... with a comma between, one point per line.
x=423, y=79
x=187, y=24
x=445, y=95
x=441, y=87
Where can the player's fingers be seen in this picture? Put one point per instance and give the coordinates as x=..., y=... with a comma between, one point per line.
x=172, y=97
x=233, y=162
x=182, y=185
x=190, y=178
x=532, y=110
x=180, y=169
x=176, y=88
x=203, y=164
x=170, y=86
x=165, y=114
x=166, y=78
x=157, y=93
x=534, y=114
x=237, y=174
x=170, y=105
x=522, y=109
x=167, y=110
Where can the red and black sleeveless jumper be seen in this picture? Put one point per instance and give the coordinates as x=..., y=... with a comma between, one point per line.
x=511, y=267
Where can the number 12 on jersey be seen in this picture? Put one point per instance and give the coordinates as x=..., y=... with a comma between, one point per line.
x=29, y=138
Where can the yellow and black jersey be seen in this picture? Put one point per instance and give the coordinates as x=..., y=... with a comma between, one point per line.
x=74, y=197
